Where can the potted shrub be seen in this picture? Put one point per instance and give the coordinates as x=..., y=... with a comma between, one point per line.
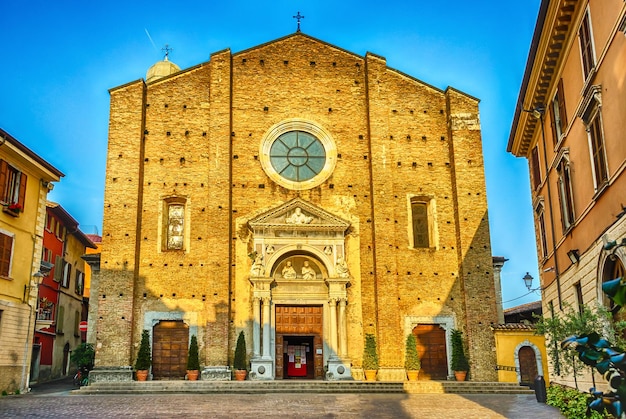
x=412, y=362
x=144, y=357
x=370, y=358
x=193, y=363
x=460, y=365
x=239, y=363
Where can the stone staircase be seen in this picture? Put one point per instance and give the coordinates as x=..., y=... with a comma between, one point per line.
x=301, y=386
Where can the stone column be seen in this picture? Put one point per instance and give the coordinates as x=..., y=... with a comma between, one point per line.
x=333, y=326
x=266, y=327
x=343, y=331
x=256, y=327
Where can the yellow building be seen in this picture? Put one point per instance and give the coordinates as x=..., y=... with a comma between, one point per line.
x=304, y=195
x=25, y=180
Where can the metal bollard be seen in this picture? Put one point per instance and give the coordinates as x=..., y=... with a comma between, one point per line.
x=540, y=389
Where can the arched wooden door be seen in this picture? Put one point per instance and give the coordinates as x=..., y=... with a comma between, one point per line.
x=169, y=350
x=527, y=366
x=431, y=348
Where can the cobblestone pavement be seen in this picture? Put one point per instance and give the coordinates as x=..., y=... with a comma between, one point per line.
x=62, y=404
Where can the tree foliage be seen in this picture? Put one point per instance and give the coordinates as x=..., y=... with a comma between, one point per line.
x=412, y=359
x=144, y=356
x=83, y=356
x=240, y=353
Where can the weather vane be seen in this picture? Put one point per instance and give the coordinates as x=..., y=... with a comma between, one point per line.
x=167, y=50
x=298, y=16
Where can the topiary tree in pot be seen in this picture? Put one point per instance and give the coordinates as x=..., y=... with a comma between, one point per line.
x=460, y=365
x=193, y=362
x=412, y=362
x=239, y=363
x=144, y=357
x=370, y=357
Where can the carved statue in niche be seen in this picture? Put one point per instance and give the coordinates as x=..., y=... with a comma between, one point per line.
x=175, y=224
x=307, y=271
x=328, y=250
x=298, y=217
x=258, y=269
x=342, y=268
x=288, y=271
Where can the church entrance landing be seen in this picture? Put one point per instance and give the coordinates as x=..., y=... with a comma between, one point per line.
x=299, y=348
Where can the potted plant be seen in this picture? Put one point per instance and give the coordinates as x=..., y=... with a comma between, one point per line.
x=193, y=363
x=412, y=362
x=370, y=358
x=239, y=363
x=144, y=357
x=460, y=365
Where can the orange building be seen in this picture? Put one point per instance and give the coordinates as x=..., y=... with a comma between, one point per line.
x=569, y=125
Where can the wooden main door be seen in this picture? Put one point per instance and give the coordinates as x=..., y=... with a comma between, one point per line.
x=527, y=366
x=169, y=350
x=299, y=338
x=431, y=348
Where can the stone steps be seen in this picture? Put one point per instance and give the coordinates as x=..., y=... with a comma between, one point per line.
x=301, y=386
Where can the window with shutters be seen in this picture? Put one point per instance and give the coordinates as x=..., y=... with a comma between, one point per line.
x=566, y=194
x=421, y=222
x=6, y=253
x=12, y=188
x=58, y=268
x=541, y=229
x=591, y=114
x=67, y=274
x=559, y=114
x=534, y=167
x=76, y=324
x=586, y=46
x=80, y=278
x=60, y=320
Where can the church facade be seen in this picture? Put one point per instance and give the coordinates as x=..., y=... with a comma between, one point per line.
x=304, y=195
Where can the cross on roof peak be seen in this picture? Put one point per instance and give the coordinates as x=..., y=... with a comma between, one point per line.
x=167, y=50
x=298, y=16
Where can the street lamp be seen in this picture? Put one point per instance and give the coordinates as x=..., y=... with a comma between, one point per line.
x=36, y=281
x=528, y=281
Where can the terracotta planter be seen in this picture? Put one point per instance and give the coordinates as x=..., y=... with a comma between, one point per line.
x=142, y=375
x=192, y=375
x=370, y=375
x=460, y=375
x=240, y=375
x=412, y=374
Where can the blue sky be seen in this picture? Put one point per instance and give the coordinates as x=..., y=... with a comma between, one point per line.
x=61, y=57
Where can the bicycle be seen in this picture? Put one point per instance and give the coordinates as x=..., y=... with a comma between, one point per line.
x=81, y=378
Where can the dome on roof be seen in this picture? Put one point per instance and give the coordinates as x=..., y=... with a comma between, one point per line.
x=161, y=69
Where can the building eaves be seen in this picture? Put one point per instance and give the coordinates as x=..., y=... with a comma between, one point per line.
x=5, y=136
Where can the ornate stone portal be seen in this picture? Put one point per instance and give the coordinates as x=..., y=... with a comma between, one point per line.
x=299, y=261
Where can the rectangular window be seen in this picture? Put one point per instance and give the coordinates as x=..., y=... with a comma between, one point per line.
x=419, y=213
x=534, y=166
x=76, y=324
x=175, y=226
x=541, y=231
x=45, y=310
x=579, y=297
x=12, y=187
x=565, y=193
x=559, y=114
x=586, y=46
x=6, y=251
x=79, y=282
x=58, y=268
x=67, y=274
x=598, y=157
x=60, y=319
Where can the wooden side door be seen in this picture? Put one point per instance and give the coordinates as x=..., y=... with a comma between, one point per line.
x=527, y=366
x=280, y=358
x=169, y=350
x=431, y=348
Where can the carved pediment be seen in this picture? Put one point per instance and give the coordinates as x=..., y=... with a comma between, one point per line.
x=298, y=214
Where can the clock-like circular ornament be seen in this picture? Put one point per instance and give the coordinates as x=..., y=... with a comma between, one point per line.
x=298, y=154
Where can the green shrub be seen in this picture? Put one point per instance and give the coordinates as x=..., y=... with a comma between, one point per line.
x=144, y=356
x=412, y=360
x=240, y=353
x=83, y=356
x=193, y=362
x=571, y=402
x=370, y=355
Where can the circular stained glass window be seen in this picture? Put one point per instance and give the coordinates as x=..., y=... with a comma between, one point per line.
x=297, y=156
